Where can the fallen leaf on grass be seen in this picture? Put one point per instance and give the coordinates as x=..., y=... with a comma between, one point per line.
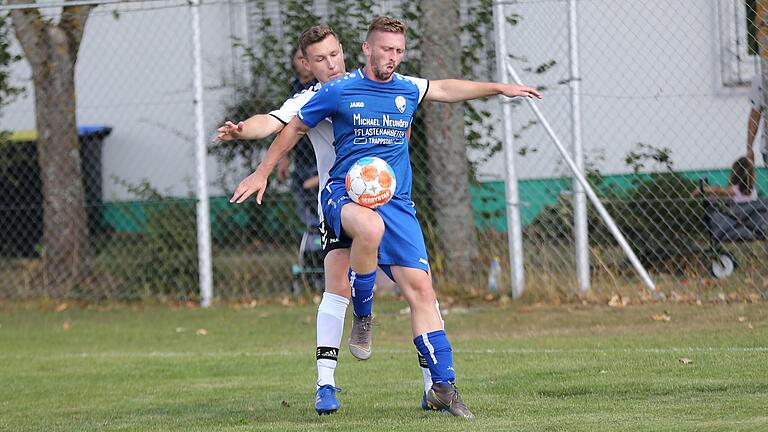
x=180, y=329
x=664, y=316
x=685, y=361
x=742, y=319
x=616, y=301
x=749, y=326
x=201, y=332
x=286, y=301
x=62, y=307
x=66, y=325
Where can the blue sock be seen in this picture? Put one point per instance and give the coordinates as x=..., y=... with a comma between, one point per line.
x=362, y=292
x=434, y=347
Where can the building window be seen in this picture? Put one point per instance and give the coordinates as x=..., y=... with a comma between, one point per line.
x=738, y=43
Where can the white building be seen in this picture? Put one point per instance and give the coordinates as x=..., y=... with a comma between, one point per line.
x=669, y=74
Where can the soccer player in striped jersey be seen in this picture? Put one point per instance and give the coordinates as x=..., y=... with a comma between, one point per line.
x=371, y=111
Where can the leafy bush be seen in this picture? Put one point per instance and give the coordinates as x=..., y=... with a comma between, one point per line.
x=657, y=214
x=162, y=258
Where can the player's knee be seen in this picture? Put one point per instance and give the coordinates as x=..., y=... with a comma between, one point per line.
x=423, y=294
x=372, y=230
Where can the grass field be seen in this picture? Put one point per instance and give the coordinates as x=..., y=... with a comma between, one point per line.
x=564, y=368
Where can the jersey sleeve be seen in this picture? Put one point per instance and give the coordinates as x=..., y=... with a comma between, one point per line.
x=421, y=83
x=291, y=107
x=322, y=104
x=756, y=94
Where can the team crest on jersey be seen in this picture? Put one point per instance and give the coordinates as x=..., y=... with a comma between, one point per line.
x=400, y=103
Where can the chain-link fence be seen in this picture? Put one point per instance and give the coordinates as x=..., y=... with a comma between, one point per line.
x=662, y=103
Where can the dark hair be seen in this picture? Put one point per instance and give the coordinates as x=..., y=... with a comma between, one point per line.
x=313, y=35
x=743, y=175
x=385, y=24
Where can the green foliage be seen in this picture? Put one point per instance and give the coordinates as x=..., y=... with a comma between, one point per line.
x=271, y=74
x=163, y=259
x=350, y=19
x=270, y=80
x=661, y=220
x=657, y=214
x=8, y=92
x=272, y=222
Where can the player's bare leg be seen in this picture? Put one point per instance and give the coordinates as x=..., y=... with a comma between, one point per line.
x=366, y=228
x=430, y=339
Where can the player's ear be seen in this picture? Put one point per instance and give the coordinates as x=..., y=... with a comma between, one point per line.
x=366, y=48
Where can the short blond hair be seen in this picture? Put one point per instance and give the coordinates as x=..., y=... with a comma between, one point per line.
x=386, y=24
x=313, y=35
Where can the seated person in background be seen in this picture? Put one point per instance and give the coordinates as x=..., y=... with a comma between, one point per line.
x=741, y=184
x=745, y=220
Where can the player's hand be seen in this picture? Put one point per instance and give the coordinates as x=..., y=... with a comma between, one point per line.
x=230, y=131
x=512, y=90
x=254, y=183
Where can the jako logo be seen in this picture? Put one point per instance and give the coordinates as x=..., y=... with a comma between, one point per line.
x=357, y=104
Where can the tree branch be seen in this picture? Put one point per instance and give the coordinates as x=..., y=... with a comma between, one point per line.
x=73, y=19
x=29, y=28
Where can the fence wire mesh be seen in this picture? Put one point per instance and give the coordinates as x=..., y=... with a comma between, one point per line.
x=664, y=103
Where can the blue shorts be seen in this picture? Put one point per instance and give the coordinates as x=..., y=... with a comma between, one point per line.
x=403, y=241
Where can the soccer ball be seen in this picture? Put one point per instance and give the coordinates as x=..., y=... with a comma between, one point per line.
x=371, y=182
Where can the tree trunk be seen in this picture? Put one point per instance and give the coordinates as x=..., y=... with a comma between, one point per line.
x=52, y=54
x=446, y=145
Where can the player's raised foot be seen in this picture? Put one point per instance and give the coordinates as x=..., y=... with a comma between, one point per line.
x=360, y=337
x=446, y=396
x=325, y=400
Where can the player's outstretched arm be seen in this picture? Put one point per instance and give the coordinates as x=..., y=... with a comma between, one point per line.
x=257, y=127
x=453, y=90
x=257, y=181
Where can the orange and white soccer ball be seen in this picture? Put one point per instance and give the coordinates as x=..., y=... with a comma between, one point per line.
x=371, y=182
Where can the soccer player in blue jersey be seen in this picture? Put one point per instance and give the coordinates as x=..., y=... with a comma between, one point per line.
x=371, y=110
x=324, y=57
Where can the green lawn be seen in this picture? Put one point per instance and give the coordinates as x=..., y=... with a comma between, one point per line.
x=527, y=369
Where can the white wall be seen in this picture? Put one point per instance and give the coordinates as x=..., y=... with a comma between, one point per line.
x=134, y=73
x=650, y=73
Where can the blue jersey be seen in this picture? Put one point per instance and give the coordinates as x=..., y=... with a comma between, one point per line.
x=370, y=118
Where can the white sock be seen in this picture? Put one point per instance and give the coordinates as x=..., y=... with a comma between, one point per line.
x=425, y=373
x=330, y=326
